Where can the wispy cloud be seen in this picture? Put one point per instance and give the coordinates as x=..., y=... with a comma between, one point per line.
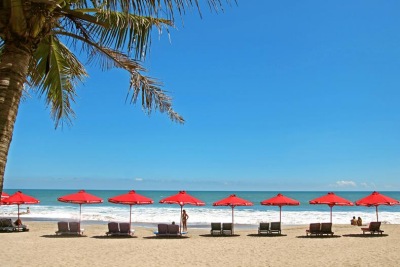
x=345, y=184
x=139, y=179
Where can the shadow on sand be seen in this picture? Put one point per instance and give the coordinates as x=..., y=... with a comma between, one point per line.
x=114, y=236
x=365, y=236
x=166, y=237
x=319, y=236
x=63, y=236
x=266, y=235
x=210, y=235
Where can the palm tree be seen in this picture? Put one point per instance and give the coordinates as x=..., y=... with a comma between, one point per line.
x=37, y=38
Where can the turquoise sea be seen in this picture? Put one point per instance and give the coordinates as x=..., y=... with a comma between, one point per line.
x=50, y=209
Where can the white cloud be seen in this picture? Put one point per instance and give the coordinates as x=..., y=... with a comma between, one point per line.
x=345, y=184
x=139, y=179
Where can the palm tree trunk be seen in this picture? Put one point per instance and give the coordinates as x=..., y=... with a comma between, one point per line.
x=14, y=64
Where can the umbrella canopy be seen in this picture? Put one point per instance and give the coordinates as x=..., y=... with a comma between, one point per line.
x=4, y=195
x=233, y=201
x=280, y=200
x=81, y=197
x=376, y=199
x=331, y=200
x=19, y=198
x=182, y=198
x=131, y=198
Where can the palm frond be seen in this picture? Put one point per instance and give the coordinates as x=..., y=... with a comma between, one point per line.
x=153, y=97
x=128, y=32
x=55, y=73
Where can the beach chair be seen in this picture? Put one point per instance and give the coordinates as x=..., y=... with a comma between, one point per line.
x=215, y=229
x=113, y=228
x=62, y=228
x=125, y=229
x=6, y=225
x=326, y=229
x=314, y=229
x=75, y=228
x=227, y=229
x=173, y=230
x=162, y=229
x=275, y=228
x=373, y=228
x=263, y=228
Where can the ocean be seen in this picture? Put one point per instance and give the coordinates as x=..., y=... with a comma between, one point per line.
x=50, y=209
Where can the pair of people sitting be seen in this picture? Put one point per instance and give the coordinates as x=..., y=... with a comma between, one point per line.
x=356, y=222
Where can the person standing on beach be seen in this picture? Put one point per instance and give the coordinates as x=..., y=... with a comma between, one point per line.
x=185, y=217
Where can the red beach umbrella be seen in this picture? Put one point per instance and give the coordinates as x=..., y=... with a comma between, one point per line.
x=20, y=198
x=4, y=195
x=280, y=200
x=131, y=198
x=81, y=197
x=331, y=200
x=182, y=199
x=233, y=201
x=376, y=199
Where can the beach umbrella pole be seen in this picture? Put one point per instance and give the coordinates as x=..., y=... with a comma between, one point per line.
x=377, y=213
x=331, y=212
x=130, y=216
x=232, y=220
x=180, y=221
x=280, y=214
x=80, y=213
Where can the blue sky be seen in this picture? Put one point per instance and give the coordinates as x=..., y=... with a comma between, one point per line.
x=285, y=95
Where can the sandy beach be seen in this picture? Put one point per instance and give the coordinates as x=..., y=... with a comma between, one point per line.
x=41, y=247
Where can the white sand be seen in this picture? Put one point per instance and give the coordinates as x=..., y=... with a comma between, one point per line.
x=40, y=247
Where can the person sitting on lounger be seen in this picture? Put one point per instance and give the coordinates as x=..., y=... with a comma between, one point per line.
x=18, y=222
x=359, y=221
x=354, y=221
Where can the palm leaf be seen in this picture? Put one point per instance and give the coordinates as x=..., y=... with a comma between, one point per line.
x=55, y=72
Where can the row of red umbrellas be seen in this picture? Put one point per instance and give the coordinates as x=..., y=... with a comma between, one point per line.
x=182, y=198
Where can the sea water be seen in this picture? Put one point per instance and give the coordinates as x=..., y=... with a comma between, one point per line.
x=50, y=209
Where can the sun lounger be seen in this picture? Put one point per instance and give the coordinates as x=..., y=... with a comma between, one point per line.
x=75, y=228
x=173, y=230
x=275, y=228
x=113, y=228
x=168, y=230
x=125, y=229
x=263, y=228
x=63, y=228
x=7, y=225
x=315, y=229
x=215, y=229
x=326, y=229
x=373, y=228
x=69, y=228
x=227, y=229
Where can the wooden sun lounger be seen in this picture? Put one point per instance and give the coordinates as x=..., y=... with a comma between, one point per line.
x=263, y=228
x=216, y=229
x=314, y=229
x=275, y=228
x=373, y=228
x=168, y=230
x=326, y=229
x=227, y=229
